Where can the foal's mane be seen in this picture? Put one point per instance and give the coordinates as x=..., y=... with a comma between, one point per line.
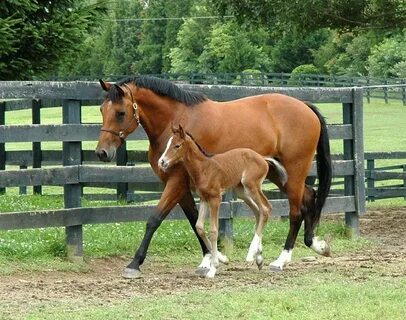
x=160, y=87
x=207, y=154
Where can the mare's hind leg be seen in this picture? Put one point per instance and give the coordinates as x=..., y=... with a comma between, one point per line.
x=308, y=211
x=294, y=190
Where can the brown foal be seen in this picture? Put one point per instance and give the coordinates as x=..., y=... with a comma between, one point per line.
x=242, y=170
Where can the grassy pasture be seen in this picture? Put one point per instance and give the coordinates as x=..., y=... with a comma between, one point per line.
x=316, y=294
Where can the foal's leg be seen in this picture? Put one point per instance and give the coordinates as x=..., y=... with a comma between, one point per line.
x=255, y=193
x=214, y=205
x=204, y=266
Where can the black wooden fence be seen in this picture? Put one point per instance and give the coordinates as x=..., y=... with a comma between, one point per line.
x=77, y=169
x=381, y=88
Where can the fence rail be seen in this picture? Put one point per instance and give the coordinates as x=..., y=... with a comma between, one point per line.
x=381, y=88
x=77, y=172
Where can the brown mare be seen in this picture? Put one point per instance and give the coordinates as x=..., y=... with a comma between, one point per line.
x=273, y=125
x=242, y=170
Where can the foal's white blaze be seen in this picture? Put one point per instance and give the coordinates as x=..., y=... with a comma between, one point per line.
x=163, y=157
x=284, y=258
x=319, y=246
x=254, y=249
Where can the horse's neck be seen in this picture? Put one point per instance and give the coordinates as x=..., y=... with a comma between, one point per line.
x=157, y=114
x=195, y=161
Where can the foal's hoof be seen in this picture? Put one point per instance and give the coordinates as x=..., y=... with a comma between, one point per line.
x=202, y=272
x=129, y=273
x=259, y=260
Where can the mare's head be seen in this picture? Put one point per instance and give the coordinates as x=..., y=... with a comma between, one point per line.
x=175, y=149
x=120, y=118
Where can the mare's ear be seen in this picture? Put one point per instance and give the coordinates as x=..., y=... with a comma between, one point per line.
x=181, y=132
x=105, y=85
x=120, y=91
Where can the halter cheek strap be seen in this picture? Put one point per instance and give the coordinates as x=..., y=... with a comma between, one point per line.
x=122, y=134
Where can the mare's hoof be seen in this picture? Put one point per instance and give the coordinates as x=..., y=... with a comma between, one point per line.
x=259, y=260
x=129, y=273
x=275, y=268
x=327, y=251
x=202, y=272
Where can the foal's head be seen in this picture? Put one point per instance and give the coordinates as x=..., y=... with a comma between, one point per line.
x=120, y=118
x=175, y=149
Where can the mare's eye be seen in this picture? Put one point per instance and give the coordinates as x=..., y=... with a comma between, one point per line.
x=120, y=114
x=177, y=146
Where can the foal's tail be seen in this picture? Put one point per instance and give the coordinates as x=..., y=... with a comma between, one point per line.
x=280, y=169
x=324, y=169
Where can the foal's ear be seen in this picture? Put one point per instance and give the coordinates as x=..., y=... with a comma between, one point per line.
x=181, y=132
x=120, y=91
x=105, y=85
x=173, y=128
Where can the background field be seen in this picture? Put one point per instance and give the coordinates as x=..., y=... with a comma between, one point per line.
x=37, y=282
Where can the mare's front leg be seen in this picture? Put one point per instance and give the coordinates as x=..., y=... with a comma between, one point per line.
x=174, y=191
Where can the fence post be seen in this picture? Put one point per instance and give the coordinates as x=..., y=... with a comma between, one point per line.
x=23, y=189
x=368, y=90
x=122, y=187
x=72, y=155
x=226, y=227
x=2, y=145
x=404, y=92
x=354, y=185
x=36, y=146
x=370, y=180
x=404, y=177
x=385, y=91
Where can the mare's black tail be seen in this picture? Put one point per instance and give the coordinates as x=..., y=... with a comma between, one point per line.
x=324, y=168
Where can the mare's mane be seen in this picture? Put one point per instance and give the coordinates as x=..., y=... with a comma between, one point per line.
x=160, y=87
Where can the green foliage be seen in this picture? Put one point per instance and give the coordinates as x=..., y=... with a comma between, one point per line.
x=220, y=54
x=292, y=50
x=310, y=15
x=346, y=53
x=388, y=59
x=37, y=34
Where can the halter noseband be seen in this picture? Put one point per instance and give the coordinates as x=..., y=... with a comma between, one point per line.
x=123, y=133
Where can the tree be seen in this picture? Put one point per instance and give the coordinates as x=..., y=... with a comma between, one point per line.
x=309, y=15
x=36, y=35
x=388, y=59
x=292, y=50
x=230, y=49
x=346, y=53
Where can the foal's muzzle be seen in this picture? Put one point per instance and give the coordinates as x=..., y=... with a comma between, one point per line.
x=164, y=165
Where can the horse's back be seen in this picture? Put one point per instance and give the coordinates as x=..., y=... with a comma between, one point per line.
x=271, y=124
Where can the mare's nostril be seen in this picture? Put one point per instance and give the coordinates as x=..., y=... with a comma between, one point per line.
x=102, y=154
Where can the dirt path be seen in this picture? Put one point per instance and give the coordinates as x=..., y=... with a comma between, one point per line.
x=103, y=284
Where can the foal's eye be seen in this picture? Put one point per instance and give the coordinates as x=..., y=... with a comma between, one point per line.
x=177, y=146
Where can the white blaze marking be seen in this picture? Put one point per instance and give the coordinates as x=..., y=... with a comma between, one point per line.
x=166, y=150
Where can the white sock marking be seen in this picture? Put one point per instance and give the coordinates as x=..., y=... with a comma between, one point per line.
x=254, y=248
x=318, y=246
x=284, y=258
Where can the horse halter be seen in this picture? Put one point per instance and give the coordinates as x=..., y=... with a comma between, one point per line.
x=122, y=134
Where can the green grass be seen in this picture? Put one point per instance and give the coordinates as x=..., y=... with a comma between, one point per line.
x=311, y=297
